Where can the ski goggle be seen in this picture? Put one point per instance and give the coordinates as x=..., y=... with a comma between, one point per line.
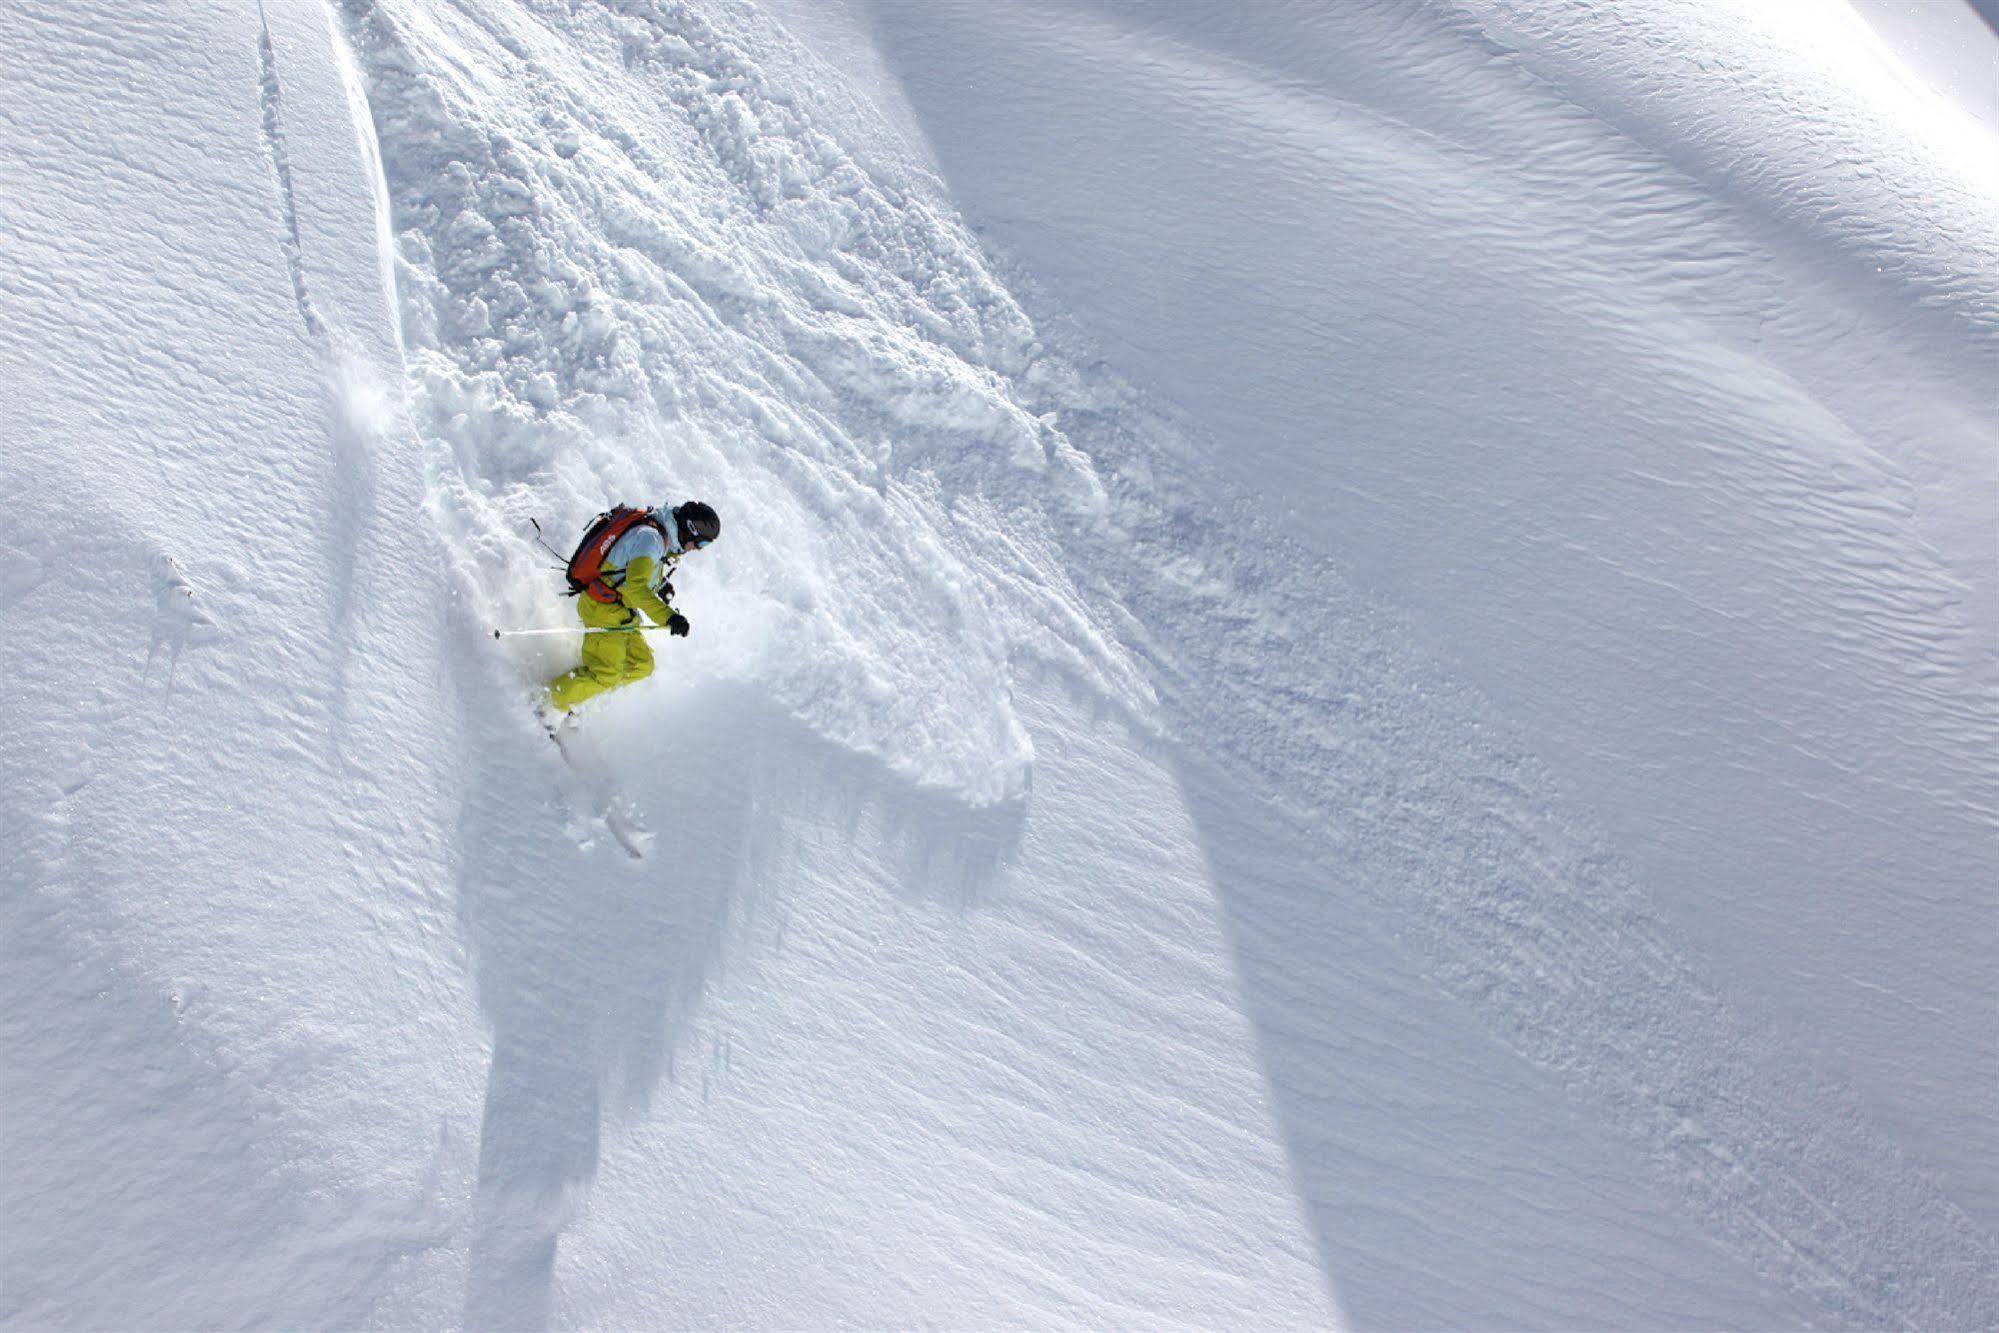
x=700, y=545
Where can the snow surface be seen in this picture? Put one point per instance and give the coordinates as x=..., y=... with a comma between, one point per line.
x=1351, y=678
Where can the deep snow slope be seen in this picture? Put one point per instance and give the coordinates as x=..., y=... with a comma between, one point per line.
x=234, y=1014
x=1645, y=359
x=1349, y=679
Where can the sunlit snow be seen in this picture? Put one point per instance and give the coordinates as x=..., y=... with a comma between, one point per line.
x=1352, y=680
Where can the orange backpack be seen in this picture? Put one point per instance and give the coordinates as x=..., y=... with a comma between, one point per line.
x=586, y=567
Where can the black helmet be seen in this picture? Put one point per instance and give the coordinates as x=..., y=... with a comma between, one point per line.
x=697, y=524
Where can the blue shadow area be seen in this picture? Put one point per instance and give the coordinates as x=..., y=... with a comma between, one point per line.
x=591, y=966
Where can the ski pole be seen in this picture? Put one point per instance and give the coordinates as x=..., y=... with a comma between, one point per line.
x=546, y=547
x=578, y=629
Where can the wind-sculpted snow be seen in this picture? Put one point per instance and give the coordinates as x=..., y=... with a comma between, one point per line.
x=223, y=825
x=1303, y=589
x=1681, y=459
x=721, y=299
x=1432, y=820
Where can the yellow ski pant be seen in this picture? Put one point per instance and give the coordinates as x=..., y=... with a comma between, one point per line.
x=611, y=657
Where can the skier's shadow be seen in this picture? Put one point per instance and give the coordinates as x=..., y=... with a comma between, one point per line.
x=590, y=966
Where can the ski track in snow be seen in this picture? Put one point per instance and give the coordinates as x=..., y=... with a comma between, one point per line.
x=271, y=93
x=361, y=412
x=177, y=780
x=722, y=300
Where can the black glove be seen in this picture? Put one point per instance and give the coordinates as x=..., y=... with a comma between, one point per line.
x=676, y=625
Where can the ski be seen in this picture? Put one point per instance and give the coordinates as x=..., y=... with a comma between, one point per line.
x=596, y=793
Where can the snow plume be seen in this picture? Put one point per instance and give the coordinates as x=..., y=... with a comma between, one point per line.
x=646, y=277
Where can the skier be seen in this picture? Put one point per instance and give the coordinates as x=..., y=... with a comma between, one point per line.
x=618, y=571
